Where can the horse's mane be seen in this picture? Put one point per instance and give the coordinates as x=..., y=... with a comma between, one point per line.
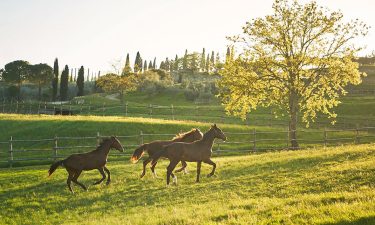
x=184, y=135
x=102, y=143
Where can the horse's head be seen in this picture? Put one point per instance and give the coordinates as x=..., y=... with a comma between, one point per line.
x=116, y=144
x=197, y=135
x=218, y=133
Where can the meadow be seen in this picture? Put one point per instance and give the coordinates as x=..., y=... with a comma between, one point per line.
x=317, y=186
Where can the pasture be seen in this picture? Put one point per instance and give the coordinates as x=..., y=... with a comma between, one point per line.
x=317, y=186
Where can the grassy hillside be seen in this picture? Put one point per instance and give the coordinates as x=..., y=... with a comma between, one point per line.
x=317, y=186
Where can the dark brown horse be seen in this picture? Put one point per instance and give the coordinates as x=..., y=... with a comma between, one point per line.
x=155, y=146
x=96, y=159
x=198, y=151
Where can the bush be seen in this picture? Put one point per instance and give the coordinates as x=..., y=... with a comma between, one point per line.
x=191, y=94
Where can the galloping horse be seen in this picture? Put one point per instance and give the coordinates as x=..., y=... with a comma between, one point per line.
x=198, y=151
x=96, y=159
x=155, y=146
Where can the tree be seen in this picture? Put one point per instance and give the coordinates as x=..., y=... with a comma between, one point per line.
x=212, y=61
x=81, y=81
x=218, y=64
x=202, y=64
x=154, y=65
x=64, y=84
x=118, y=84
x=55, y=80
x=41, y=74
x=127, y=69
x=208, y=63
x=16, y=73
x=185, y=61
x=228, y=55
x=150, y=65
x=145, y=66
x=298, y=59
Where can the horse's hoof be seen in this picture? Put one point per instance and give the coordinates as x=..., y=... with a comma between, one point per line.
x=209, y=175
x=107, y=183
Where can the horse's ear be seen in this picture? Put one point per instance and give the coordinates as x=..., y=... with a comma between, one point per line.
x=214, y=125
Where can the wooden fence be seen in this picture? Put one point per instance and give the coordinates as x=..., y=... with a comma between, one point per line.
x=17, y=151
x=171, y=112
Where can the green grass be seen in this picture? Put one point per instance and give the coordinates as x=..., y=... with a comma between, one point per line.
x=240, y=137
x=316, y=186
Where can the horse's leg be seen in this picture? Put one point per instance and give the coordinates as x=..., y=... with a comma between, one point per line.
x=69, y=180
x=109, y=175
x=209, y=161
x=153, y=168
x=76, y=175
x=170, y=169
x=199, y=164
x=145, y=162
x=103, y=176
x=183, y=167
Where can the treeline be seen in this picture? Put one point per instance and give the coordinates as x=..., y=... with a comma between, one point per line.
x=18, y=73
x=205, y=62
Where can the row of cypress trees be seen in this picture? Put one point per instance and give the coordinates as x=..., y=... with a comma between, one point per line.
x=64, y=81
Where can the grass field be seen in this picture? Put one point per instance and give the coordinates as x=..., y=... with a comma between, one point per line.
x=316, y=186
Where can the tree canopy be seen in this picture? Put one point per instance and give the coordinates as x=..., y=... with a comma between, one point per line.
x=298, y=59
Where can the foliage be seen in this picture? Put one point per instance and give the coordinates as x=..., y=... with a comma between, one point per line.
x=154, y=81
x=55, y=80
x=127, y=69
x=64, y=84
x=298, y=59
x=80, y=81
x=118, y=84
x=42, y=75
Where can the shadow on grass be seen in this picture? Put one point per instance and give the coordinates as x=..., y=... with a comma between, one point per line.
x=361, y=221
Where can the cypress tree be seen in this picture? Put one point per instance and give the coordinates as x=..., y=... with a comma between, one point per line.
x=162, y=65
x=127, y=69
x=185, y=61
x=145, y=66
x=203, y=60
x=208, y=63
x=176, y=63
x=167, y=66
x=64, y=84
x=227, y=57
x=136, y=63
x=55, y=80
x=154, y=65
x=140, y=64
x=150, y=65
x=81, y=81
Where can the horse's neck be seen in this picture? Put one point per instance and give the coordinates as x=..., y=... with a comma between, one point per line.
x=104, y=149
x=208, y=138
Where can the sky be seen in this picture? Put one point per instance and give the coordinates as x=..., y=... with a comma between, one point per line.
x=99, y=33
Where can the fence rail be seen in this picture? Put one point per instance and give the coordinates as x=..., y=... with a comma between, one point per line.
x=200, y=113
x=50, y=149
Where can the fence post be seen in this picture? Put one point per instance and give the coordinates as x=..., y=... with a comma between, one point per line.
x=141, y=138
x=126, y=108
x=39, y=108
x=11, y=151
x=3, y=104
x=103, y=108
x=172, y=109
x=356, y=136
x=17, y=107
x=254, y=139
x=55, y=148
x=325, y=137
x=97, y=138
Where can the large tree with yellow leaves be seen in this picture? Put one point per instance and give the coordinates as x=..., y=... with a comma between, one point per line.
x=299, y=60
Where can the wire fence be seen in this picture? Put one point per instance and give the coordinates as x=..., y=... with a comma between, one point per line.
x=19, y=152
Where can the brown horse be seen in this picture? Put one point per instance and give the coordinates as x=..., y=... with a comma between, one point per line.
x=96, y=159
x=198, y=151
x=155, y=146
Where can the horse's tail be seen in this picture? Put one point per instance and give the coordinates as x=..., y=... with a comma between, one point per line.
x=138, y=153
x=158, y=154
x=54, y=167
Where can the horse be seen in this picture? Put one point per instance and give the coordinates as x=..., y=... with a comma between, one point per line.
x=95, y=159
x=155, y=146
x=197, y=151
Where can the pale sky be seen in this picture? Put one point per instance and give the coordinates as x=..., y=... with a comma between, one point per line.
x=94, y=33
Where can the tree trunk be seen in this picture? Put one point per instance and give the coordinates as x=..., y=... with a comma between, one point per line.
x=122, y=97
x=293, y=109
